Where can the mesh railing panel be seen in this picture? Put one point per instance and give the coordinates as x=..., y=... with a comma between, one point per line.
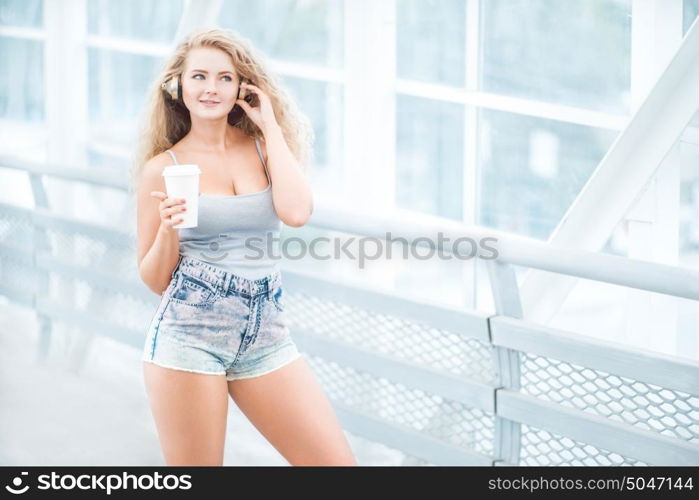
x=647, y=406
x=116, y=259
x=545, y=448
x=17, y=276
x=100, y=302
x=446, y=420
x=444, y=351
x=16, y=231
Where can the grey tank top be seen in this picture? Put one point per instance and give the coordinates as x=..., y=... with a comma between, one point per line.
x=236, y=233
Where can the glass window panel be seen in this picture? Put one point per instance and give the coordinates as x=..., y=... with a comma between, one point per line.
x=574, y=53
x=620, y=314
x=429, y=156
x=15, y=189
x=322, y=103
x=690, y=13
x=117, y=84
x=532, y=169
x=25, y=140
x=153, y=20
x=430, y=40
x=309, y=31
x=26, y=13
x=22, y=79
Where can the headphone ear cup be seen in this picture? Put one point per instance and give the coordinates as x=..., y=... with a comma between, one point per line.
x=235, y=115
x=172, y=88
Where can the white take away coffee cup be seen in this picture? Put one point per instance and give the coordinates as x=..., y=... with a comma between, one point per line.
x=182, y=181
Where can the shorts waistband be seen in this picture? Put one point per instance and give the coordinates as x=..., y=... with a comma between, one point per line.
x=226, y=281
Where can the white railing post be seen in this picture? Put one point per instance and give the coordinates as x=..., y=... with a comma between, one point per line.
x=503, y=282
x=40, y=243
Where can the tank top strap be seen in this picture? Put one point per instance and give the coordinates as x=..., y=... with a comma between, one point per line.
x=174, y=158
x=262, y=159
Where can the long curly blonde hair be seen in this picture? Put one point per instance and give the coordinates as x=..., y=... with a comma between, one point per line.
x=164, y=125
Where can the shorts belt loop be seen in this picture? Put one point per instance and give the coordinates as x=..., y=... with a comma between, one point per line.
x=270, y=291
x=226, y=282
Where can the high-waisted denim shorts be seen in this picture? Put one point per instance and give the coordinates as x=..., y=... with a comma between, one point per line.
x=215, y=322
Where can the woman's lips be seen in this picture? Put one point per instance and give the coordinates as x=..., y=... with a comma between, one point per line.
x=210, y=104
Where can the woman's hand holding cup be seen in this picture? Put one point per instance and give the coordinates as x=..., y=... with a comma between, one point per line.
x=169, y=209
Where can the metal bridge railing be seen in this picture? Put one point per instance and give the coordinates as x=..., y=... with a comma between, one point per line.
x=443, y=385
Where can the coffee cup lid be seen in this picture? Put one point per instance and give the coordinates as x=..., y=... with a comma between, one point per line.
x=181, y=170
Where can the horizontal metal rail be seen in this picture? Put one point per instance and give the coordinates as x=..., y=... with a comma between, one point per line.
x=470, y=323
x=471, y=393
x=408, y=440
x=671, y=280
x=596, y=430
x=654, y=277
x=103, y=177
x=669, y=372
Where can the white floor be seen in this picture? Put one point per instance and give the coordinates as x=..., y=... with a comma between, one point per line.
x=100, y=416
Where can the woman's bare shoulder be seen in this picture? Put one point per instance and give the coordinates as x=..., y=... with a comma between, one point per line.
x=153, y=168
x=158, y=161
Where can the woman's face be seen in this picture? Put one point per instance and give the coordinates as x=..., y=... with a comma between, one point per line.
x=209, y=75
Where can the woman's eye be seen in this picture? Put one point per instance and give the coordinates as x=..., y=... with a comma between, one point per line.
x=224, y=76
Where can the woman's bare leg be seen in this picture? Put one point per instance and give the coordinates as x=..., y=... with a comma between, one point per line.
x=290, y=409
x=190, y=411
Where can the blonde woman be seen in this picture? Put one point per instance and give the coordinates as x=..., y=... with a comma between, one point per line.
x=220, y=327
